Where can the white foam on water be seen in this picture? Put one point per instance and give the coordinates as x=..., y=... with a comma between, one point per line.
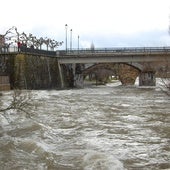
x=101, y=161
x=125, y=105
x=3, y=120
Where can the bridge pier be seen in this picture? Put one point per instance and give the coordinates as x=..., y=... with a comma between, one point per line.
x=78, y=76
x=78, y=81
x=147, y=78
x=60, y=76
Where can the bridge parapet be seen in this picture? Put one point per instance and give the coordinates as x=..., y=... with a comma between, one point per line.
x=117, y=51
x=26, y=50
x=144, y=59
x=114, y=55
x=90, y=52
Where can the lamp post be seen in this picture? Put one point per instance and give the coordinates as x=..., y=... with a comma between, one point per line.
x=66, y=36
x=78, y=43
x=71, y=40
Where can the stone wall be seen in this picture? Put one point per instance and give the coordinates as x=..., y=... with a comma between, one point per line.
x=6, y=72
x=127, y=74
x=33, y=72
x=36, y=72
x=4, y=83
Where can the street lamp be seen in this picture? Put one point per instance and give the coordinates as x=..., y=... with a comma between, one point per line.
x=71, y=39
x=66, y=35
x=78, y=43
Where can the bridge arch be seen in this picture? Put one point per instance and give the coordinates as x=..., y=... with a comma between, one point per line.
x=125, y=72
x=91, y=68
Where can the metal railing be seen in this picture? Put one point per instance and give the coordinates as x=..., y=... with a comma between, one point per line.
x=26, y=50
x=119, y=50
x=116, y=50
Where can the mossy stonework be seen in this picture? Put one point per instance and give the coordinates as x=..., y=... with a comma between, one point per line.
x=36, y=72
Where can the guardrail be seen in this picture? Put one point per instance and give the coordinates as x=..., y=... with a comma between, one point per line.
x=27, y=50
x=120, y=50
x=115, y=50
x=8, y=49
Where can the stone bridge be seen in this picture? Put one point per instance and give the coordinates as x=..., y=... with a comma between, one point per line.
x=146, y=62
x=36, y=69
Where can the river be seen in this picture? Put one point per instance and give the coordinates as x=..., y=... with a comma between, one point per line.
x=96, y=128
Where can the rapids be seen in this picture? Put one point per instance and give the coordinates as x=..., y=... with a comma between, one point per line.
x=95, y=128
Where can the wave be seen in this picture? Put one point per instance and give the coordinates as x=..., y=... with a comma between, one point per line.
x=101, y=161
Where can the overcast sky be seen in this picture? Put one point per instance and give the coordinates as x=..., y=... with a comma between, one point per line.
x=106, y=23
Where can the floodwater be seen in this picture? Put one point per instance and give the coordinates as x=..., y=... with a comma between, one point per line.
x=95, y=128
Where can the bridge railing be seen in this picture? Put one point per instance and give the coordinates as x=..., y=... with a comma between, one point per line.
x=8, y=49
x=114, y=50
x=14, y=49
x=38, y=51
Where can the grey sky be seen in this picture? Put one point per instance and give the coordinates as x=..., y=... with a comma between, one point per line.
x=106, y=23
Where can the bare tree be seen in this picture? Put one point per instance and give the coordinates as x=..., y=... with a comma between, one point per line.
x=165, y=78
x=40, y=42
x=21, y=101
x=4, y=44
x=29, y=40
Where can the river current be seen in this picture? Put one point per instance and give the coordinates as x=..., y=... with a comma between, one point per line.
x=96, y=128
